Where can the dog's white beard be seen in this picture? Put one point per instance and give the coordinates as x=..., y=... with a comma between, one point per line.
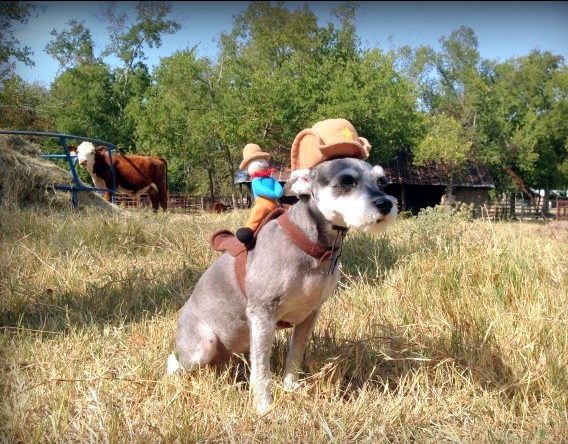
x=355, y=211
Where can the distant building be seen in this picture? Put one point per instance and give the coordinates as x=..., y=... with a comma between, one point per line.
x=418, y=187
x=415, y=187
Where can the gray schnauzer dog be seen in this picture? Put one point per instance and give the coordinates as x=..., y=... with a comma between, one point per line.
x=283, y=283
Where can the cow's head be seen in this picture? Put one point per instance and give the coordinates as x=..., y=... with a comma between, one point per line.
x=85, y=155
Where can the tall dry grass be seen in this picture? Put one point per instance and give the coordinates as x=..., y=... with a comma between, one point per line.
x=443, y=330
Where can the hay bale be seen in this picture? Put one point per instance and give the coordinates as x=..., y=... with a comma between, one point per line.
x=27, y=180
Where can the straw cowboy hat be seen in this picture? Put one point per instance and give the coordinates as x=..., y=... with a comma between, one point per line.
x=251, y=152
x=326, y=140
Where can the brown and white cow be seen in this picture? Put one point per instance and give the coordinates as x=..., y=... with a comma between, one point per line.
x=133, y=174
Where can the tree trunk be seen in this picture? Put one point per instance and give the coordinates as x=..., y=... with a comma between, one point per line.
x=448, y=198
x=545, y=203
x=211, y=184
x=511, y=205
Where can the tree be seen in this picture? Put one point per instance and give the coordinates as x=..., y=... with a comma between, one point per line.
x=11, y=13
x=72, y=47
x=23, y=106
x=260, y=59
x=129, y=38
x=525, y=123
x=83, y=103
x=505, y=110
x=289, y=73
x=380, y=103
x=124, y=86
x=446, y=144
x=177, y=119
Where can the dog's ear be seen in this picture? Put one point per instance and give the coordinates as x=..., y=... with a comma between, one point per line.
x=300, y=183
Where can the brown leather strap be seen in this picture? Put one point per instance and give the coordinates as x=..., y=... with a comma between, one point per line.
x=274, y=214
x=241, y=256
x=297, y=236
x=241, y=270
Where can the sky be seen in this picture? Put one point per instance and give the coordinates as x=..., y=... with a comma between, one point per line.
x=504, y=29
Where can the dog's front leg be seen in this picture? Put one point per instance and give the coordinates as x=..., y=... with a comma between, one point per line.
x=298, y=341
x=262, y=327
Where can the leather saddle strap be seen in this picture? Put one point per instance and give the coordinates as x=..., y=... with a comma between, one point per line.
x=241, y=257
x=241, y=270
x=302, y=241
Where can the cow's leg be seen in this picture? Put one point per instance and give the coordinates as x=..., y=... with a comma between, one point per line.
x=107, y=196
x=153, y=193
x=163, y=190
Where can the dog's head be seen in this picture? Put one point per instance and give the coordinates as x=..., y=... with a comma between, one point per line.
x=348, y=192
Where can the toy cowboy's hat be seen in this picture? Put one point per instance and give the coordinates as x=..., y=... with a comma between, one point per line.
x=326, y=140
x=251, y=152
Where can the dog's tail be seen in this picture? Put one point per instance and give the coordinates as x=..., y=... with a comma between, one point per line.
x=173, y=364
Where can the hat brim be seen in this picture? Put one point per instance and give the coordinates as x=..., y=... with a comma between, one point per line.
x=344, y=149
x=255, y=156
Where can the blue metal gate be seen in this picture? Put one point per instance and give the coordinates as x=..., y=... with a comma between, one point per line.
x=77, y=185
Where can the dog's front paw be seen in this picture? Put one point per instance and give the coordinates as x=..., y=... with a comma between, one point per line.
x=173, y=366
x=264, y=404
x=291, y=382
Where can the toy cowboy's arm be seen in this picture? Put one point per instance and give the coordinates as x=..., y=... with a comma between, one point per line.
x=260, y=188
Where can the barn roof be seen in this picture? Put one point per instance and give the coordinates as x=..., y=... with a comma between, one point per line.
x=400, y=170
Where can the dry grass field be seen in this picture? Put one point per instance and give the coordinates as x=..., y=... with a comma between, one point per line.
x=442, y=330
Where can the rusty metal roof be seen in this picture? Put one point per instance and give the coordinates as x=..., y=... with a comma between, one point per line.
x=400, y=170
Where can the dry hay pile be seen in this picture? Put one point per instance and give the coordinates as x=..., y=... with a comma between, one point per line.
x=27, y=180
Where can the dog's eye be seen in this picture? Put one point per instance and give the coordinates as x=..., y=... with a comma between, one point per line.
x=382, y=182
x=347, y=180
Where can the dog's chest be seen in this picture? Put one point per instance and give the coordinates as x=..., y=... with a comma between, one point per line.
x=307, y=294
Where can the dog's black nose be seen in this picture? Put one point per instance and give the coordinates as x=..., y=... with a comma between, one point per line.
x=383, y=204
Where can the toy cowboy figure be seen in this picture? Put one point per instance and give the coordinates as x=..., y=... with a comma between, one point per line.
x=265, y=190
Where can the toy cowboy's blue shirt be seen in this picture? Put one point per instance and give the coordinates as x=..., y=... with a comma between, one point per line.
x=266, y=187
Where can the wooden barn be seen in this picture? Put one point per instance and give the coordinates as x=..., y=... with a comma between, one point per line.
x=415, y=187
x=418, y=187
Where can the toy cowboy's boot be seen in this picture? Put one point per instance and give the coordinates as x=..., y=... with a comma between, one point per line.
x=246, y=236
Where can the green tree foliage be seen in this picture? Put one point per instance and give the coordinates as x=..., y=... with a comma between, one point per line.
x=82, y=102
x=445, y=143
x=23, y=106
x=128, y=39
x=12, y=13
x=292, y=73
x=509, y=112
x=524, y=121
x=119, y=89
x=177, y=117
x=72, y=47
x=278, y=72
x=262, y=59
x=379, y=101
